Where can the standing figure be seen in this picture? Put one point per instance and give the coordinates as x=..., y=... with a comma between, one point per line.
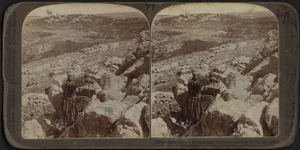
x=74, y=104
x=200, y=97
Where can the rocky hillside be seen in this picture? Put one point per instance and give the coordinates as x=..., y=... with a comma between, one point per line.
x=115, y=57
x=247, y=106
x=119, y=107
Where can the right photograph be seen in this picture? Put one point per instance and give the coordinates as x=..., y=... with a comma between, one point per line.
x=214, y=71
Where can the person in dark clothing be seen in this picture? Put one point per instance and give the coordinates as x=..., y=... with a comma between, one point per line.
x=74, y=104
x=200, y=97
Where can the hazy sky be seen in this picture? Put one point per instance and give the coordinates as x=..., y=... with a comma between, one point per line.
x=211, y=8
x=79, y=8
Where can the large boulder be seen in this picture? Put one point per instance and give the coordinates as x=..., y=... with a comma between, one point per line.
x=249, y=124
x=268, y=65
x=138, y=86
x=131, y=100
x=31, y=129
x=108, y=81
x=238, y=85
x=220, y=118
x=112, y=94
x=254, y=99
x=235, y=80
x=264, y=84
x=96, y=120
x=272, y=116
x=132, y=123
x=159, y=128
x=260, y=66
x=111, y=109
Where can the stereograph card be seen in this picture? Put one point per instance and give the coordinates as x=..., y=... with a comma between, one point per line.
x=150, y=75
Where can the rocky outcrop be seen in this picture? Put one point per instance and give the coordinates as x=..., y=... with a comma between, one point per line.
x=131, y=100
x=254, y=99
x=38, y=112
x=32, y=130
x=113, y=63
x=97, y=119
x=107, y=80
x=264, y=84
x=35, y=106
x=131, y=124
x=139, y=86
x=106, y=95
x=249, y=123
x=238, y=85
x=272, y=116
x=159, y=128
x=140, y=51
x=164, y=105
x=241, y=62
x=220, y=119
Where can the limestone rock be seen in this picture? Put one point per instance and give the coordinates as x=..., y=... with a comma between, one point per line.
x=107, y=80
x=272, y=116
x=268, y=65
x=106, y=95
x=222, y=116
x=264, y=63
x=241, y=62
x=131, y=100
x=254, y=99
x=32, y=130
x=113, y=63
x=219, y=119
x=249, y=123
x=131, y=124
x=96, y=120
x=265, y=84
x=111, y=109
x=238, y=85
x=236, y=81
x=164, y=104
x=220, y=68
x=159, y=128
x=136, y=87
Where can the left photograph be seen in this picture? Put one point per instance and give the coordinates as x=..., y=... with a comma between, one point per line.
x=85, y=72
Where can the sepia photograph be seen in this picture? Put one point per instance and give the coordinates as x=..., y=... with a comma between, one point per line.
x=146, y=75
x=85, y=72
x=214, y=71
